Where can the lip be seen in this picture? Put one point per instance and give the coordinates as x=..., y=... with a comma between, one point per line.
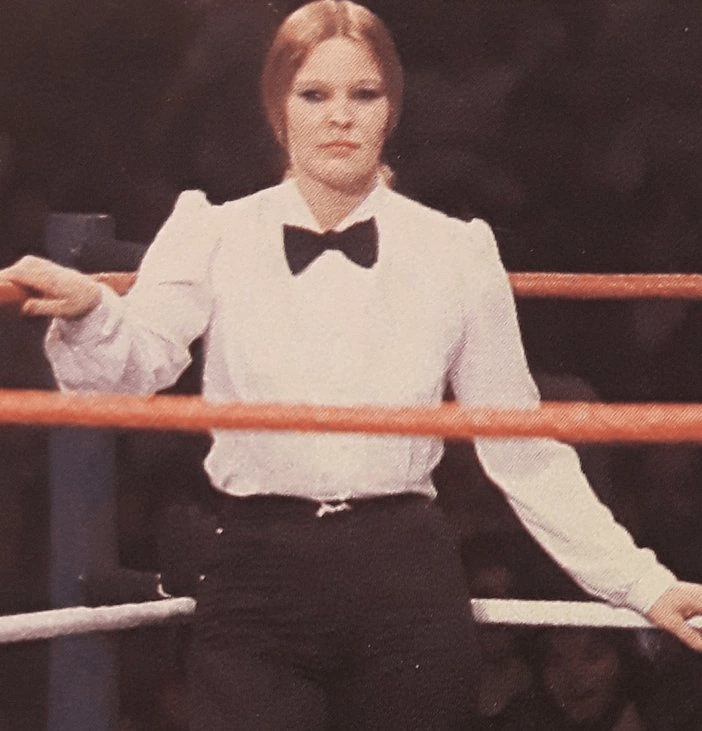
x=340, y=146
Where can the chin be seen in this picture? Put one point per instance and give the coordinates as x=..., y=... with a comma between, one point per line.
x=348, y=181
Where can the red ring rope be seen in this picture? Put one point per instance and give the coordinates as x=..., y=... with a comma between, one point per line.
x=607, y=286
x=11, y=293
x=525, y=284
x=577, y=422
x=569, y=422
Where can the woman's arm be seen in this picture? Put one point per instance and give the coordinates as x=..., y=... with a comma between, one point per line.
x=138, y=343
x=541, y=478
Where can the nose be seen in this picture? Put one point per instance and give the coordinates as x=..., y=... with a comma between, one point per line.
x=340, y=113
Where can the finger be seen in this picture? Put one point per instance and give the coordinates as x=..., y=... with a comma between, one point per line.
x=26, y=271
x=691, y=637
x=42, y=275
x=34, y=307
x=51, y=280
x=684, y=632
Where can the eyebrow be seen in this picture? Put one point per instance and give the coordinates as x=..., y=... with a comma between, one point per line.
x=319, y=82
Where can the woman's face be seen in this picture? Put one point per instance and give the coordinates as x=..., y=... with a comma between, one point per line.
x=337, y=116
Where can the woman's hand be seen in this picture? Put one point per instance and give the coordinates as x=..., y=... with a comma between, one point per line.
x=54, y=291
x=672, y=610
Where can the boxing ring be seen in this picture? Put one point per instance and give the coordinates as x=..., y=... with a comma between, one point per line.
x=90, y=416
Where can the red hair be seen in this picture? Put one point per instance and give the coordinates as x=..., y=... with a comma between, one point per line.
x=313, y=24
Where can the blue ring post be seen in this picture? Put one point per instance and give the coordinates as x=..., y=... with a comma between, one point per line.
x=83, y=669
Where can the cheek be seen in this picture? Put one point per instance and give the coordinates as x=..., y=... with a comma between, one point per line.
x=376, y=124
x=298, y=125
x=294, y=121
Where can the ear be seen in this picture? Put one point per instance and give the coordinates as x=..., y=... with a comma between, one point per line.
x=280, y=136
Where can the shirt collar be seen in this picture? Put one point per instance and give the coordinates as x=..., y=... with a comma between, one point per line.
x=296, y=212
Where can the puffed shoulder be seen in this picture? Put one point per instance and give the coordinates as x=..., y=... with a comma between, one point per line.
x=480, y=245
x=192, y=199
x=183, y=247
x=258, y=200
x=480, y=231
x=189, y=204
x=195, y=202
x=476, y=233
x=472, y=247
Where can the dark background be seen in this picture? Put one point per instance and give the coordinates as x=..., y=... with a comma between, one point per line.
x=574, y=127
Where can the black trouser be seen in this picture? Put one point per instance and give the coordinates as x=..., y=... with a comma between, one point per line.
x=359, y=619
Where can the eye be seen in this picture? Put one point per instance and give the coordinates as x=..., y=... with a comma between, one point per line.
x=366, y=93
x=311, y=95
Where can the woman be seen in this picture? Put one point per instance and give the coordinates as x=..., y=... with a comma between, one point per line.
x=334, y=595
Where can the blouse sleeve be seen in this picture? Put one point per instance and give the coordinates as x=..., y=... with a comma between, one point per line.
x=541, y=479
x=140, y=343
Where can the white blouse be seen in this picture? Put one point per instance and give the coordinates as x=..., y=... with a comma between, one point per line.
x=436, y=307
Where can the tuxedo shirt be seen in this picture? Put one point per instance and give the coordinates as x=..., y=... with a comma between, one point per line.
x=436, y=308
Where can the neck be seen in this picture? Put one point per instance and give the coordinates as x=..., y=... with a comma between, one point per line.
x=330, y=205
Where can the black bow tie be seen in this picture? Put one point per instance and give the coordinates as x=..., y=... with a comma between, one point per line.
x=358, y=242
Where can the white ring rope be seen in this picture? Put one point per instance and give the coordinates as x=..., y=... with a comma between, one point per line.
x=80, y=620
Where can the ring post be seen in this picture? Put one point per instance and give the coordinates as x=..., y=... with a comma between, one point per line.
x=83, y=670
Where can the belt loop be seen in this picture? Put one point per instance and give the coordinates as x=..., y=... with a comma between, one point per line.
x=328, y=508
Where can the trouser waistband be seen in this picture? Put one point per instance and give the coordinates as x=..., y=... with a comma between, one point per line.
x=299, y=507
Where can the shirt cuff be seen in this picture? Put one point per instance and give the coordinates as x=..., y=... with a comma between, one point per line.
x=97, y=325
x=650, y=588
